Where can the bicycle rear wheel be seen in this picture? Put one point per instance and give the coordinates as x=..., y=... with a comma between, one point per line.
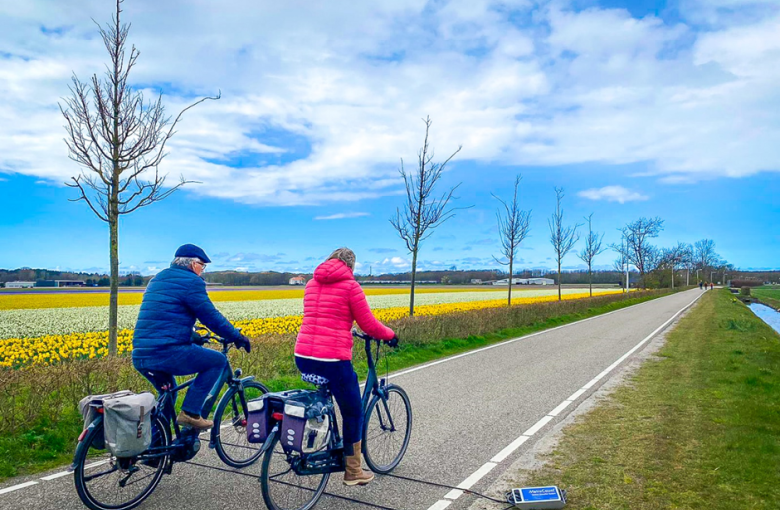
x=387, y=428
x=105, y=482
x=282, y=488
x=230, y=427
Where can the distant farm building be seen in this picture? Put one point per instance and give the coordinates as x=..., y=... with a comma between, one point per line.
x=297, y=280
x=69, y=283
x=541, y=281
x=526, y=281
x=19, y=285
x=476, y=281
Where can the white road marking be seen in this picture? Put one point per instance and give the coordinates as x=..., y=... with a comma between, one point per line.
x=56, y=475
x=440, y=505
x=537, y=426
x=563, y=405
x=506, y=452
x=577, y=394
x=466, y=484
x=17, y=487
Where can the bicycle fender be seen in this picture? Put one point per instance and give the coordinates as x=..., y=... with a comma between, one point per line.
x=97, y=421
x=270, y=439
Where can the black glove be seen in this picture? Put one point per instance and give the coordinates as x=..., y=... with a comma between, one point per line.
x=394, y=342
x=197, y=339
x=243, y=343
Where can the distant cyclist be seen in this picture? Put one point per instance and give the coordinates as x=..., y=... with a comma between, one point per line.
x=163, y=341
x=332, y=302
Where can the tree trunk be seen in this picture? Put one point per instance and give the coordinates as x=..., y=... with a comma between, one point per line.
x=509, y=293
x=590, y=280
x=414, y=276
x=113, y=303
x=559, y=279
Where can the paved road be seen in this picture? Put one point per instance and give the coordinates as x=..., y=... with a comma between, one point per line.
x=466, y=410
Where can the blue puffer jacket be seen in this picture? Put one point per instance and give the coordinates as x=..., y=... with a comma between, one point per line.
x=173, y=300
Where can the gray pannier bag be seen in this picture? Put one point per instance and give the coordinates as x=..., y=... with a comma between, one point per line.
x=88, y=407
x=127, y=423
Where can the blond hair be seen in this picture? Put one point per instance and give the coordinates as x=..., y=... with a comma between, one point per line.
x=345, y=255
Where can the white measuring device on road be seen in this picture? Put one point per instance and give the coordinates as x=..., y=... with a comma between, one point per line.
x=537, y=498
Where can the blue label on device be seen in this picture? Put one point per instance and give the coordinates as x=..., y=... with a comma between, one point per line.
x=540, y=494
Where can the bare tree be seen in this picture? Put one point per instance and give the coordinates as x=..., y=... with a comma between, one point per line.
x=592, y=250
x=562, y=238
x=513, y=227
x=672, y=258
x=621, y=263
x=422, y=212
x=704, y=254
x=687, y=262
x=639, y=250
x=119, y=140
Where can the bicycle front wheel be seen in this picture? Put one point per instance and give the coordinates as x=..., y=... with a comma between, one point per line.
x=282, y=488
x=386, y=429
x=105, y=482
x=230, y=426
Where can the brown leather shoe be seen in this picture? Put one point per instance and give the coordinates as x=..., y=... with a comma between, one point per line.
x=199, y=423
x=354, y=474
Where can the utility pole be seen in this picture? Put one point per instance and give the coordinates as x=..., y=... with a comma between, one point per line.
x=628, y=284
x=687, y=277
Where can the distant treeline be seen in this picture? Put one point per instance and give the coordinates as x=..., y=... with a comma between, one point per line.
x=46, y=277
x=452, y=277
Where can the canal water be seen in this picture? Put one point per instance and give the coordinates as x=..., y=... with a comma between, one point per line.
x=767, y=314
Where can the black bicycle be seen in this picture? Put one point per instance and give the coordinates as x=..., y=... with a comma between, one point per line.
x=105, y=482
x=294, y=481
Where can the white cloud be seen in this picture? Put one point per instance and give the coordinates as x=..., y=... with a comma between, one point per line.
x=341, y=216
x=612, y=194
x=350, y=81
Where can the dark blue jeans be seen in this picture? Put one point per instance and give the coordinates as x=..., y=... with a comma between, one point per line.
x=346, y=390
x=211, y=367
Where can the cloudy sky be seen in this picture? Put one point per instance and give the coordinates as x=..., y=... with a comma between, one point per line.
x=635, y=108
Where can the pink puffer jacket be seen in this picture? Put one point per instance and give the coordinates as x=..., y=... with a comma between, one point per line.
x=333, y=300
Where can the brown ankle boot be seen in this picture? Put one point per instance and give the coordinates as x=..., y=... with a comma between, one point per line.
x=354, y=474
x=197, y=423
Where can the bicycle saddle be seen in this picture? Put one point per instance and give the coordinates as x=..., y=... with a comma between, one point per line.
x=314, y=379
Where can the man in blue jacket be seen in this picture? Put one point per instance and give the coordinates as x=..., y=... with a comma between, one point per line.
x=164, y=344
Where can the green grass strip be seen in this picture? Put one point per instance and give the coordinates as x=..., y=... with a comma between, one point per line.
x=698, y=428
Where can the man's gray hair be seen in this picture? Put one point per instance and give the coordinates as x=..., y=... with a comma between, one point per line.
x=186, y=261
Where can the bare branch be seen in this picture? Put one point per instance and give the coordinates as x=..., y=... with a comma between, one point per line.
x=422, y=213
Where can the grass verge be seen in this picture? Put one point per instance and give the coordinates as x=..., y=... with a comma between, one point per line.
x=697, y=428
x=39, y=421
x=770, y=296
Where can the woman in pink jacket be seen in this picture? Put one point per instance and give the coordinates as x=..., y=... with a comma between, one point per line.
x=332, y=302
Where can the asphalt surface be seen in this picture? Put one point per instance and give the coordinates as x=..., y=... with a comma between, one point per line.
x=466, y=410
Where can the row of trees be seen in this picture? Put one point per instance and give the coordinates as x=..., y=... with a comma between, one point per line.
x=425, y=208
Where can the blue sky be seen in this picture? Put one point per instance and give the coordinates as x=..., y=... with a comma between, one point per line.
x=638, y=108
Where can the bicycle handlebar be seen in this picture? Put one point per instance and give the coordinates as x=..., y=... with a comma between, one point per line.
x=366, y=336
x=209, y=336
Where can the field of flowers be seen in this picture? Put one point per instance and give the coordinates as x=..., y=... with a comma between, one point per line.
x=51, y=335
x=77, y=299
